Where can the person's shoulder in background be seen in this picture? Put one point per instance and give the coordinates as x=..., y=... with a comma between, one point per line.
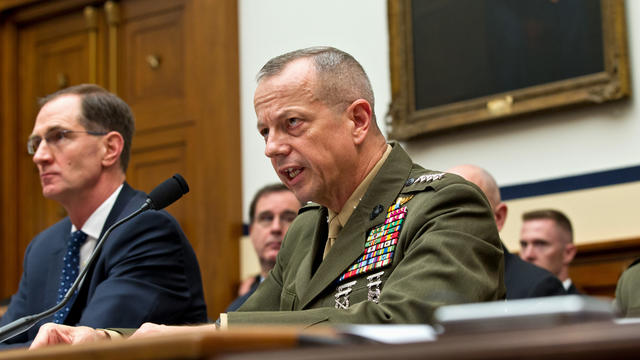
x=628, y=291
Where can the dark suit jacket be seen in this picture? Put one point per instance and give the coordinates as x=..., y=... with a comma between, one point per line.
x=525, y=280
x=448, y=252
x=241, y=299
x=146, y=271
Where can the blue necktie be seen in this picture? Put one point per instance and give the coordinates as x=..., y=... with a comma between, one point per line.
x=69, y=273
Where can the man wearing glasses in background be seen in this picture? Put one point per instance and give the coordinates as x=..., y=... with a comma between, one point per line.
x=272, y=209
x=146, y=270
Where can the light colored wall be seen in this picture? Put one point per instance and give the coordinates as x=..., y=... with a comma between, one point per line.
x=545, y=146
x=249, y=264
x=272, y=27
x=598, y=214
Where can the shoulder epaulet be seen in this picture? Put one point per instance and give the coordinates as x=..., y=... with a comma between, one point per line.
x=309, y=206
x=419, y=182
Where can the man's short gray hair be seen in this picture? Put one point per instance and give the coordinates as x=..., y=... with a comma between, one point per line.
x=341, y=78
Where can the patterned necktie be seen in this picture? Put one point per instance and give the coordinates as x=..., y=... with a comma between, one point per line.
x=69, y=273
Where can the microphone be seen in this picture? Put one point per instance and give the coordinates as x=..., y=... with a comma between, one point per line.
x=167, y=192
x=162, y=196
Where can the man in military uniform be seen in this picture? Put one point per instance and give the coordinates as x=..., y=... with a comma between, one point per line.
x=628, y=291
x=384, y=241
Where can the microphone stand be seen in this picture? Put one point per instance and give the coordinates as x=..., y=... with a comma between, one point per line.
x=26, y=322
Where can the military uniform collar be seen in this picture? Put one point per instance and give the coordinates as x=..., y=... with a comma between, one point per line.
x=357, y=195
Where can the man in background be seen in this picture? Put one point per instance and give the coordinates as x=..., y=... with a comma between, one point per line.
x=522, y=279
x=546, y=240
x=146, y=271
x=271, y=211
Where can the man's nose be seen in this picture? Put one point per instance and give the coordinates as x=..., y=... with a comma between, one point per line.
x=276, y=225
x=275, y=146
x=42, y=154
x=528, y=253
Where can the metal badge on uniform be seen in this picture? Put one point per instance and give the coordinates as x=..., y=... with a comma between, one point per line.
x=402, y=199
x=428, y=178
x=374, y=287
x=342, y=295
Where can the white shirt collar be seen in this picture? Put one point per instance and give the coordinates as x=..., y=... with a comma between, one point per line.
x=567, y=284
x=94, y=224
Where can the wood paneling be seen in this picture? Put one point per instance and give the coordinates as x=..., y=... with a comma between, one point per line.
x=153, y=65
x=53, y=53
x=212, y=96
x=597, y=267
x=10, y=255
x=176, y=63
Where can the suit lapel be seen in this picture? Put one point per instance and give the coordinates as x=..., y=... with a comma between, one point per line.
x=118, y=207
x=350, y=242
x=86, y=290
x=55, y=267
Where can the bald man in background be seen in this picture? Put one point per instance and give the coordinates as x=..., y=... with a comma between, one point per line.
x=522, y=279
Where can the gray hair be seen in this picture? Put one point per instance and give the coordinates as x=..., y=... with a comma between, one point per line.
x=341, y=78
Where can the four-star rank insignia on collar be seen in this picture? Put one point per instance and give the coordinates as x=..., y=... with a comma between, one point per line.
x=381, y=241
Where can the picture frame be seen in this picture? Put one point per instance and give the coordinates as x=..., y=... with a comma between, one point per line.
x=465, y=62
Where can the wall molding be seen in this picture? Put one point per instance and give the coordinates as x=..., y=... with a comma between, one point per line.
x=571, y=183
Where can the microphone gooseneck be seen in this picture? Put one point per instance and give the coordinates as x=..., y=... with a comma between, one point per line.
x=162, y=196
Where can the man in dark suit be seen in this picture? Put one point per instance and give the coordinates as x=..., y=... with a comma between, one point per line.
x=271, y=211
x=522, y=279
x=146, y=271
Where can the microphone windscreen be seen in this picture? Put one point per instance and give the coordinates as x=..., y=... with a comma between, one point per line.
x=168, y=191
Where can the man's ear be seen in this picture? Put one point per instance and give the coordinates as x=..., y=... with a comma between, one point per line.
x=569, y=253
x=361, y=115
x=501, y=215
x=113, y=144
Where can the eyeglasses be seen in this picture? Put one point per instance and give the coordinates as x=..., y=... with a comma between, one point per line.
x=55, y=137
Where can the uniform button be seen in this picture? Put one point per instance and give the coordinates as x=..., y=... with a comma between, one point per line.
x=409, y=181
x=376, y=211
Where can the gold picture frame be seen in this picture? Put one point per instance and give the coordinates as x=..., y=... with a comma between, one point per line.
x=412, y=113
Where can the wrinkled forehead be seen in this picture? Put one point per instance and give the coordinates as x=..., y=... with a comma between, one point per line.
x=299, y=74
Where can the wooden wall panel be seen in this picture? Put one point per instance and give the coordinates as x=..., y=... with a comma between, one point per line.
x=186, y=106
x=10, y=255
x=148, y=164
x=212, y=96
x=54, y=53
x=597, y=267
x=153, y=66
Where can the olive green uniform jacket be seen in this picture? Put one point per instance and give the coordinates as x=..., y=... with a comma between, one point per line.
x=628, y=291
x=448, y=252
